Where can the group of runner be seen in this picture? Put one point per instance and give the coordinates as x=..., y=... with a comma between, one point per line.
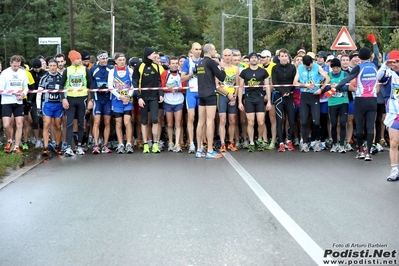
x=311, y=101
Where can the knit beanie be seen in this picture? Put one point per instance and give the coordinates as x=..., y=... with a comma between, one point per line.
x=74, y=55
x=36, y=63
x=147, y=51
x=364, y=53
x=85, y=55
x=335, y=63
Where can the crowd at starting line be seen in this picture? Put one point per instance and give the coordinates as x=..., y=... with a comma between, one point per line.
x=204, y=103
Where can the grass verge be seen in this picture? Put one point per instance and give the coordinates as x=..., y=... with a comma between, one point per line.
x=9, y=161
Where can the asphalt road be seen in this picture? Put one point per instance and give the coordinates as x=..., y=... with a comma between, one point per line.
x=262, y=208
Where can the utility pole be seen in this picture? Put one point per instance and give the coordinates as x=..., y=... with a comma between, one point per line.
x=222, y=32
x=112, y=29
x=5, y=52
x=250, y=29
x=71, y=28
x=352, y=19
x=313, y=25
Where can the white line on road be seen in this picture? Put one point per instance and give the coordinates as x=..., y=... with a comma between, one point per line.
x=303, y=239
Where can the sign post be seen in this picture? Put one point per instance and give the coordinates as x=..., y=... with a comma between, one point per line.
x=51, y=41
x=343, y=41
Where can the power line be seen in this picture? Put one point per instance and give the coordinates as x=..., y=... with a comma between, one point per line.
x=14, y=18
x=108, y=11
x=307, y=24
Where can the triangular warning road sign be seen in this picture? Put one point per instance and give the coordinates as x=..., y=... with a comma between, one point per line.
x=343, y=41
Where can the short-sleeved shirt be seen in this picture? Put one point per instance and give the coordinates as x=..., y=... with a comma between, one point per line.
x=254, y=78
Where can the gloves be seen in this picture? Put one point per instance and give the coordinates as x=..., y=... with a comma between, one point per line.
x=371, y=38
x=195, y=70
x=329, y=93
x=39, y=112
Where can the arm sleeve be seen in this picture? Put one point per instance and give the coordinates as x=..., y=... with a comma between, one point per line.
x=63, y=84
x=111, y=84
x=355, y=71
x=376, y=52
x=383, y=73
x=220, y=74
x=135, y=81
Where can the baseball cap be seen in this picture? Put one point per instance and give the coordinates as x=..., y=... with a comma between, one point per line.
x=322, y=54
x=393, y=55
x=335, y=63
x=266, y=53
x=301, y=50
x=330, y=57
x=312, y=55
x=252, y=54
x=164, y=59
x=36, y=63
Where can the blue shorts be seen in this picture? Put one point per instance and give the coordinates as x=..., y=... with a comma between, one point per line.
x=53, y=109
x=172, y=108
x=121, y=109
x=102, y=107
x=224, y=106
x=351, y=108
x=192, y=99
x=324, y=108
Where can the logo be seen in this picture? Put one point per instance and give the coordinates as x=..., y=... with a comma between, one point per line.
x=360, y=254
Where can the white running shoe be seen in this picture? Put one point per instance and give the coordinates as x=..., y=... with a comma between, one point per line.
x=80, y=151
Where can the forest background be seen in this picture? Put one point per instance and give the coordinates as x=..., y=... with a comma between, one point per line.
x=171, y=26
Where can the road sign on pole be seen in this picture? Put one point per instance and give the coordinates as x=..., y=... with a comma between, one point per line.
x=343, y=41
x=51, y=41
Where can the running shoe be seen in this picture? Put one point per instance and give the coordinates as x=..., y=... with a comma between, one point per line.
x=232, y=147
x=348, y=147
x=155, y=148
x=342, y=149
x=52, y=145
x=200, y=154
x=260, y=145
x=146, y=148
x=105, y=149
x=373, y=149
x=289, y=145
x=222, y=147
x=171, y=146
x=213, y=155
x=129, y=148
x=335, y=148
x=383, y=143
x=272, y=146
x=96, y=150
x=39, y=144
x=323, y=146
x=360, y=155
x=191, y=149
x=251, y=147
x=161, y=145
x=7, y=148
x=177, y=149
x=317, y=146
x=304, y=147
x=329, y=143
x=379, y=147
x=140, y=144
x=25, y=146
x=17, y=150
x=64, y=145
x=120, y=149
x=46, y=152
x=80, y=151
x=245, y=144
x=311, y=146
x=281, y=148
x=367, y=157
x=296, y=142
x=58, y=150
x=394, y=175
x=68, y=151
x=237, y=145
x=218, y=144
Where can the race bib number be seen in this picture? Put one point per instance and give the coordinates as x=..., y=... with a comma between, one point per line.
x=76, y=81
